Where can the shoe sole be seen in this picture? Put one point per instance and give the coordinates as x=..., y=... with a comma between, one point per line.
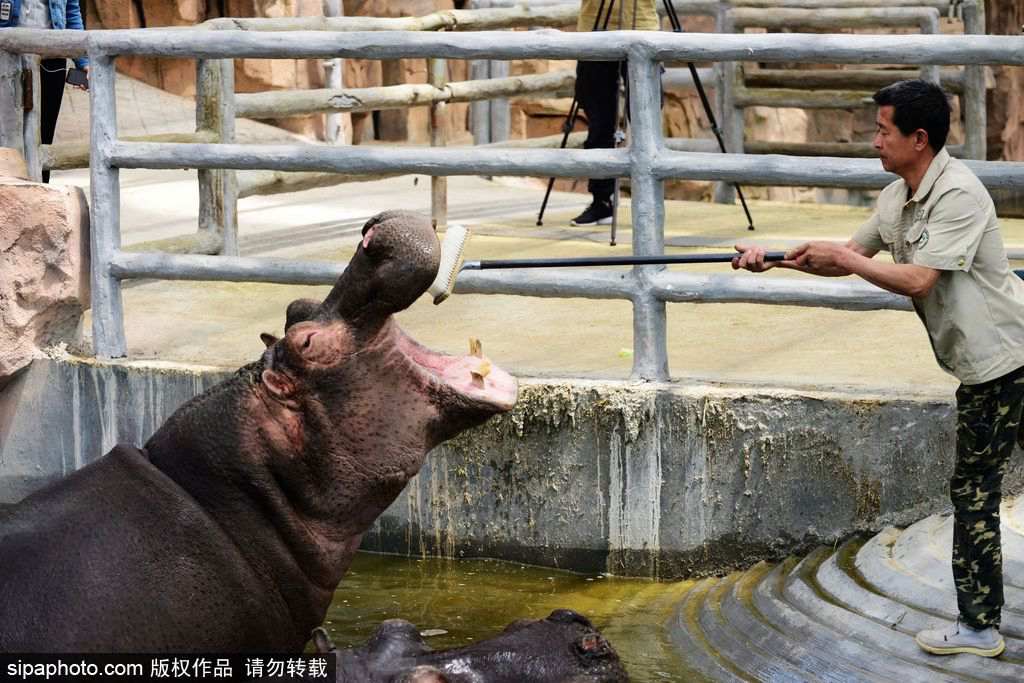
x=963, y=649
x=599, y=221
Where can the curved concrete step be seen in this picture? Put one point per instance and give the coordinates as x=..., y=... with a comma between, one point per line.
x=827, y=636
x=837, y=578
x=685, y=632
x=799, y=590
x=729, y=643
x=849, y=614
x=925, y=548
x=888, y=576
x=815, y=660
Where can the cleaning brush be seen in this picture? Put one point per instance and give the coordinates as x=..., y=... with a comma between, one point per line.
x=453, y=250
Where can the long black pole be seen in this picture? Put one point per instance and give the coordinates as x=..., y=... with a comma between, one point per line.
x=611, y=261
x=574, y=108
x=677, y=27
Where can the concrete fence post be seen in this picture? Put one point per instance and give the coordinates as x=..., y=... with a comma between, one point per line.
x=647, y=200
x=437, y=72
x=218, y=189
x=730, y=117
x=32, y=120
x=12, y=122
x=104, y=211
x=480, y=110
x=500, y=110
x=975, y=115
x=334, y=77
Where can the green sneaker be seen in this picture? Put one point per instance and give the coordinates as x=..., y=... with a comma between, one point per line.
x=962, y=639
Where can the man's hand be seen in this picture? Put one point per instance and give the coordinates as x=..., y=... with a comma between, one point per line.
x=822, y=258
x=751, y=257
x=83, y=87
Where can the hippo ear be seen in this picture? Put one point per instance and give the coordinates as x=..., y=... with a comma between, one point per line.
x=280, y=386
x=299, y=311
x=268, y=339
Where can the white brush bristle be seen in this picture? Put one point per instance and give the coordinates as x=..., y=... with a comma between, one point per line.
x=453, y=248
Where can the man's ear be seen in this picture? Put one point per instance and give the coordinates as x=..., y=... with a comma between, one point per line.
x=920, y=139
x=280, y=387
x=268, y=339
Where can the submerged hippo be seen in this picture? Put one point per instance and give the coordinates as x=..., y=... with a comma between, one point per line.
x=231, y=528
x=561, y=648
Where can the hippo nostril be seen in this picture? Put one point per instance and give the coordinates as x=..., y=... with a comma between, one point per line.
x=309, y=338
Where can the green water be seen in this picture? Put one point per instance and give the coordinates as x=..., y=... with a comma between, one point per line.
x=474, y=600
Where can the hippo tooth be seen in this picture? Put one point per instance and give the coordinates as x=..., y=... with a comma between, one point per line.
x=481, y=371
x=476, y=348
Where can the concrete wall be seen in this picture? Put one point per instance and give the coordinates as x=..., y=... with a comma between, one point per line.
x=661, y=480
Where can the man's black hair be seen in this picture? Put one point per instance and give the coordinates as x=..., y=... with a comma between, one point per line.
x=918, y=104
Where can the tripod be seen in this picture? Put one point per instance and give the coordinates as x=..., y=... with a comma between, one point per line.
x=570, y=120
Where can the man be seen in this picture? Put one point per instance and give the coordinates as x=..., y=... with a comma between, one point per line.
x=940, y=225
x=55, y=14
x=597, y=90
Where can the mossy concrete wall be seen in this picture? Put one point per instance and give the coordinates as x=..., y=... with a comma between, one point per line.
x=663, y=480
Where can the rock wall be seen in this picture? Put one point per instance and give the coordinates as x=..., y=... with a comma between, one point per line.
x=44, y=258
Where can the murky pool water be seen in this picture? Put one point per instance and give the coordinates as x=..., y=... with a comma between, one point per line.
x=474, y=600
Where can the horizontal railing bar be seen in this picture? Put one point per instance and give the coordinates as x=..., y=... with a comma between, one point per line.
x=753, y=169
x=772, y=5
x=127, y=265
x=590, y=284
x=771, y=169
x=830, y=18
x=448, y=20
x=712, y=288
x=552, y=283
x=277, y=103
x=543, y=44
x=845, y=79
x=803, y=99
x=605, y=163
x=68, y=155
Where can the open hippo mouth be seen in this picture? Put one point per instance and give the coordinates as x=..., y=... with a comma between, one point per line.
x=473, y=377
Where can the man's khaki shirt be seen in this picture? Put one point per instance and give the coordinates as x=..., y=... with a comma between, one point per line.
x=975, y=312
x=646, y=15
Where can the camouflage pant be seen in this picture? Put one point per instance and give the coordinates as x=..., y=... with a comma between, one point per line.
x=988, y=418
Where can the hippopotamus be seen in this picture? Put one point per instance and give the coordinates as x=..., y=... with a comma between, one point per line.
x=229, y=530
x=561, y=648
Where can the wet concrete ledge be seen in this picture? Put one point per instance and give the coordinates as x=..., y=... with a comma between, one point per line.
x=663, y=480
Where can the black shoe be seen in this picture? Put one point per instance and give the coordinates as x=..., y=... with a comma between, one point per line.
x=598, y=213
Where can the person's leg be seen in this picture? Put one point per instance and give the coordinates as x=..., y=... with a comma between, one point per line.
x=597, y=94
x=988, y=419
x=52, y=73
x=600, y=103
x=987, y=424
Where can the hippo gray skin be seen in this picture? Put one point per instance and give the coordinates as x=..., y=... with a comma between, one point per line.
x=561, y=648
x=231, y=528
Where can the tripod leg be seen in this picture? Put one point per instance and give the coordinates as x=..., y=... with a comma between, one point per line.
x=677, y=27
x=570, y=123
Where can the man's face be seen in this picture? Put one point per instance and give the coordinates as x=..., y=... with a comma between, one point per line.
x=897, y=151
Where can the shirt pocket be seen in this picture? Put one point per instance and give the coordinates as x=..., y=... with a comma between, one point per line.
x=915, y=238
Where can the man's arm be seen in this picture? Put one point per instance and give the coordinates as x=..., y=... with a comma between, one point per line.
x=830, y=259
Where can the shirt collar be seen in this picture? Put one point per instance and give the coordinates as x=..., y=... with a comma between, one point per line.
x=935, y=169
